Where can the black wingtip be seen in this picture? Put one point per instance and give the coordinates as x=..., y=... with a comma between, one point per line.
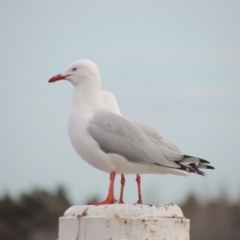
x=203, y=161
x=200, y=159
x=210, y=167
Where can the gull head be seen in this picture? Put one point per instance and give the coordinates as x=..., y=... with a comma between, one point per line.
x=78, y=73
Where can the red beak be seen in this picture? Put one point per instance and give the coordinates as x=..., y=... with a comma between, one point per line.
x=56, y=78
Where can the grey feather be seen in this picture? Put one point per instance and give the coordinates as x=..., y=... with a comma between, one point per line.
x=115, y=134
x=155, y=137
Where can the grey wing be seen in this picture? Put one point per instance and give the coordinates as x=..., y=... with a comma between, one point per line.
x=155, y=137
x=115, y=134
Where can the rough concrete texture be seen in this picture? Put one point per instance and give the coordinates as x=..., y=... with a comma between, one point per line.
x=124, y=221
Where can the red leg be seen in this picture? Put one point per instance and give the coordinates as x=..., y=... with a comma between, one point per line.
x=122, y=188
x=138, y=179
x=110, y=198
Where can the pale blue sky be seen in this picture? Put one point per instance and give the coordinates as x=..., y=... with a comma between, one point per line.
x=172, y=64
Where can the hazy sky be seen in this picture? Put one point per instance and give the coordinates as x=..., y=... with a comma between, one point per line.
x=172, y=64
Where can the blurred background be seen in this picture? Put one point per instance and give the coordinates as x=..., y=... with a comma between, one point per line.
x=172, y=64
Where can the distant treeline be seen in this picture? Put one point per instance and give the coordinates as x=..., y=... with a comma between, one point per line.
x=34, y=216
x=216, y=220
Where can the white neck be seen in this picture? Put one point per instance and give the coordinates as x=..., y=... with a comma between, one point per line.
x=88, y=98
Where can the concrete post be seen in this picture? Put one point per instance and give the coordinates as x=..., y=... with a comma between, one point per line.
x=124, y=222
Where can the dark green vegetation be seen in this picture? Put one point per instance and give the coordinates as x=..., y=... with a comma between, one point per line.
x=34, y=216
x=214, y=220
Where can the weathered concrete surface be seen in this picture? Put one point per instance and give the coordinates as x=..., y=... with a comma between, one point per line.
x=124, y=221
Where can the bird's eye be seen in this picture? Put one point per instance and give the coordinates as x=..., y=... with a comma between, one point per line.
x=74, y=69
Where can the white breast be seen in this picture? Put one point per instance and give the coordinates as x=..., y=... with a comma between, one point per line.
x=84, y=144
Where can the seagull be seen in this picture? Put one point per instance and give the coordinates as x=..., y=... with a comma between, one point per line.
x=112, y=143
x=153, y=135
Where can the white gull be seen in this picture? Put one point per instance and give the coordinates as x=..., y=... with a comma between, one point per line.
x=110, y=142
x=153, y=135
